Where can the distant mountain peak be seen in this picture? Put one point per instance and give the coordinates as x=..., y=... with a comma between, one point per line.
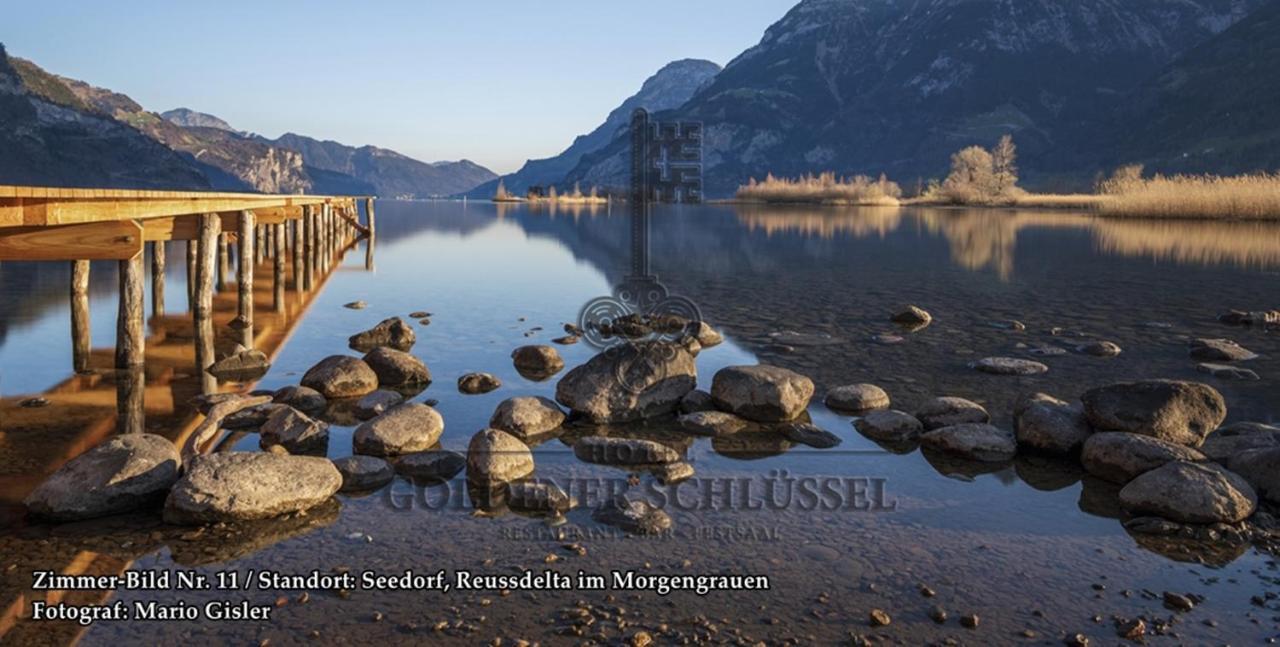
x=188, y=118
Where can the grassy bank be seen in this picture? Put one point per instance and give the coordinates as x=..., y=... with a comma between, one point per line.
x=1243, y=197
x=822, y=189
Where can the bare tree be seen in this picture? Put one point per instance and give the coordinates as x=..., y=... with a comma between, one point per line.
x=1004, y=167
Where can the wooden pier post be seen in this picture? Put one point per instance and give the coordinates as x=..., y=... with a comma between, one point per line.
x=157, y=278
x=80, y=337
x=308, y=229
x=130, y=348
x=259, y=247
x=277, y=243
x=191, y=273
x=295, y=237
x=224, y=261
x=245, y=288
x=371, y=235
x=206, y=268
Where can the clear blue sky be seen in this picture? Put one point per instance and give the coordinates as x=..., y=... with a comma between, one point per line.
x=496, y=81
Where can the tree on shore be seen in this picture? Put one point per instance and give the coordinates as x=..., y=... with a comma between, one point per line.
x=979, y=176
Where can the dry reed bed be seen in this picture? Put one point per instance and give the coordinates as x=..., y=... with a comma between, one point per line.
x=825, y=188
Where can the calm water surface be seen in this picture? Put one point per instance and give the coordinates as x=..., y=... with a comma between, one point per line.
x=1021, y=545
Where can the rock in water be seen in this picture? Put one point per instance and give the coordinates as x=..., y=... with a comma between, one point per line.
x=711, y=423
x=1190, y=493
x=1178, y=412
x=805, y=433
x=1099, y=349
x=244, y=486
x=1009, y=366
x=341, y=376
x=377, y=403
x=243, y=366
x=889, y=426
x=252, y=417
x=973, y=441
x=1047, y=424
x=495, y=457
x=304, y=399
x=537, y=362
x=538, y=497
x=695, y=401
x=403, y=429
x=708, y=336
x=947, y=411
x=393, y=332
x=912, y=316
x=629, y=381
x=761, y=393
x=623, y=451
x=636, y=517
x=295, y=431
x=857, y=397
x=1227, y=371
x=1219, y=350
x=397, y=368
x=527, y=417
x=124, y=473
x=1261, y=468
x=1240, y=437
x=355, y=305
x=671, y=473
x=477, y=383
x=432, y=466
x=1120, y=457
x=363, y=473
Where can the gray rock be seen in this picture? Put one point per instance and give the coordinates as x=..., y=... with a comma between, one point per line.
x=355, y=305
x=431, y=466
x=477, y=383
x=695, y=401
x=857, y=397
x=1255, y=318
x=1261, y=468
x=127, y=472
x=247, y=364
x=252, y=417
x=377, y=403
x=1046, y=350
x=341, y=376
x=396, y=368
x=393, y=332
x=1190, y=493
x=403, y=429
x=912, y=315
x=1178, y=412
x=302, y=398
x=623, y=451
x=537, y=362
x=630, y=381
x=1120, y=457
x=711, y=423
x=762, y=393
x=1008, y=366
x=636, y=517
x=243, y=486
x=1227, y=371
x=527, y=417
x=947, y=411
x=1008, y=324
x=538, y=497
x=973, y=441
x=889, y=426
x=1219, y=350
x=1240, y=437
x=806, y=433
x=295, y=431
x=363, y=473
x=1099, y=349
x=495, y=457
x=1047, y=424
x=672, y=473
x=214, y=420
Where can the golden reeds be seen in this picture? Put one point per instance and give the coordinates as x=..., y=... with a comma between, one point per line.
x=824, y=188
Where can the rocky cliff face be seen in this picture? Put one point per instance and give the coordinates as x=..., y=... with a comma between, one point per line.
x=667, y=89
x=865, y=86
x=188, y=118
x=390, y=173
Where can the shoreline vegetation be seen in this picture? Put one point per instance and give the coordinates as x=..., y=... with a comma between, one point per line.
x=982, y=178
x=538, y=195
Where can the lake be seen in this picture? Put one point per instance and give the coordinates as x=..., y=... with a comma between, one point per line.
x=1034, y=548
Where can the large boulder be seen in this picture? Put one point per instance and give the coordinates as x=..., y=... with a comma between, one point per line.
x=1190, y=493
x=695, y=401
x=1261, y=468
x=762, y=393
x=1120, y=457
x=1046, y=424
x=857, y=397
x=302, y=398
x=341, y=376
x=629, y=381
x=243, y=486
x=404, y=429
x=393, y=332
x=124, y=473
x=295, y=431
x=1170, y=410
x=537, y=362
x=973, y=441
x=363, y=473
x=946, y=411
x=396, y=368
x=527, y=417
x=495, y=457
x=623, y=451
x=1239, y=437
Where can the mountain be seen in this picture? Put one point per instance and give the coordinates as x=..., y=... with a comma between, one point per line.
x=669, y=88
x=1215, y=109
x=390, y=173
x=49, y=136
x=188, y=118
x=896, y=86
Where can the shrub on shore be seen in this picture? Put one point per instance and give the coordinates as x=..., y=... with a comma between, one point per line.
x=1128, y=193
x=980, y=177
x=824, y=188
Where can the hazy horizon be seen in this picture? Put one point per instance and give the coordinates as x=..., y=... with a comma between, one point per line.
x=497, y=84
